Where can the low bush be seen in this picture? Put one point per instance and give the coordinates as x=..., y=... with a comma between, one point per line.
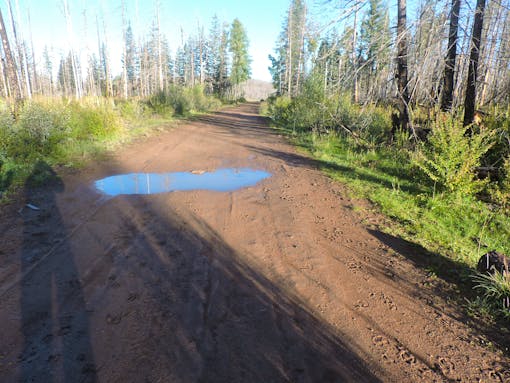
x=280, y=110
x=39, y=130
x=97, y=120
x=6, y=129
x=314, y=110
x=451, y=156
x=132, y=109
x=500, y=190
x=181, y=101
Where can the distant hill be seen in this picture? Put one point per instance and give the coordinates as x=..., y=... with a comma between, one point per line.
x=256, y=90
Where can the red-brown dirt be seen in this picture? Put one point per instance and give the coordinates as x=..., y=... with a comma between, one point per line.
x=280, y=282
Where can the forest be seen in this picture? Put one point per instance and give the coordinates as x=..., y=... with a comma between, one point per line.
x=410, y=109
x=413, y=112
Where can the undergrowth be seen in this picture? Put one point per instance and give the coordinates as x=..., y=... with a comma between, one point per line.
x=429, y=189
x=64, y=132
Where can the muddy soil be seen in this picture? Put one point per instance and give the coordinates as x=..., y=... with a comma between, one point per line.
x=285, y=281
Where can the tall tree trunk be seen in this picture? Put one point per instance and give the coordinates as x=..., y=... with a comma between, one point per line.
x=503, y=63
x=489, y=51
x=301, y=61
x=22, y=48
x=77, y=77
x=201, y=52
x=355, y=96
x=24, y=83
x=12, y=77
x=36, y=84
x=451, y=56
x=462, y=67
x=108, y=77
x=192, y=63
x=125, y=63
x=402, y=81
x=470, y=100
x=289, y=53
x=160, y=55
x=5, y=91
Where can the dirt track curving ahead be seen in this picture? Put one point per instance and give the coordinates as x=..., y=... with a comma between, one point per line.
x=284, y=281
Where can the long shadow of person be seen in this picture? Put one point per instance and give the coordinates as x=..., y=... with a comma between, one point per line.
x=55, y=326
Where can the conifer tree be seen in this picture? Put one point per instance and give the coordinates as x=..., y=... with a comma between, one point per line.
x=238, y=46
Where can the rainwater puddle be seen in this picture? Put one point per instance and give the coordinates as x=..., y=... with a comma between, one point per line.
x=223, y=180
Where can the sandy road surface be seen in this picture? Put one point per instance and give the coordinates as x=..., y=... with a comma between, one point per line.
x=279, y=282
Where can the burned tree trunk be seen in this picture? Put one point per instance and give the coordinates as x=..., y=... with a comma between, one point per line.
x=12, y=77
x=451, y=57
x=401, y=75
x=476, y=36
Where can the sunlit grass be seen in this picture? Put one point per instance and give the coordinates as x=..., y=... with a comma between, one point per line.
x=459, y=227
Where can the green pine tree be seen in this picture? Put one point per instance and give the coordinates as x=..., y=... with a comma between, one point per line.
x=238, y=46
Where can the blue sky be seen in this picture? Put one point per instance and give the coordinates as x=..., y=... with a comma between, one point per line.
x=261, y=18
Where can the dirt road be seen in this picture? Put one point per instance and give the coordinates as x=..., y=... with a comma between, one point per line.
x=284, y=281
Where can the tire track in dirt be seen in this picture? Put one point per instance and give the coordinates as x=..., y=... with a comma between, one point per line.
x=283, y=281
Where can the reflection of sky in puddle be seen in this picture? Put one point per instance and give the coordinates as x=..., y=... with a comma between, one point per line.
x=224, y=180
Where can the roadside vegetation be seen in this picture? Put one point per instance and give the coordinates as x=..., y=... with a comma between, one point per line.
x=67, y=132
x=408, y=122
x=429, y=188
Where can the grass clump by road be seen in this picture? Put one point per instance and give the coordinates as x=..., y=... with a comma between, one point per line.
x=65, y=132
x=429, y=188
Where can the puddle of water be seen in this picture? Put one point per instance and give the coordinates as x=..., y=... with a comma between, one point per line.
x=223, y=180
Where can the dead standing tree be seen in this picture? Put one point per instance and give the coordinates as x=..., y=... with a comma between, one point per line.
x=470, y=100
x=12, y=77
x=401, y=74
x=451, y=57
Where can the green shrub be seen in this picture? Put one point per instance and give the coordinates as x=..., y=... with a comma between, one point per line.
x=97, y=120
x=280, y=110
x=199, y=101
x=181, y=101
x=163, y=103
x=376, y=124
x=500, y=191
x=6, y=129
x=40, y=128
x=450, y=157
x=132, y=110
x=498, y=121
x=314, y=111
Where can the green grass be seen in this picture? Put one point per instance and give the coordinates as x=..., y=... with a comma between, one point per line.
x=459, y=227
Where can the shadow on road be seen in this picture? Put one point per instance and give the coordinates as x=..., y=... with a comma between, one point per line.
x=54, y=321
x=455, y=274
x=168, y=301
x=208, y=315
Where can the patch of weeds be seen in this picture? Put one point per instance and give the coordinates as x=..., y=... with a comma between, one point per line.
x=495, y=289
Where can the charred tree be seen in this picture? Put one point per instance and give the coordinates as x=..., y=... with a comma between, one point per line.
x=12, y=77
x=476, y=36
x=401, y=75
x=451, y=57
